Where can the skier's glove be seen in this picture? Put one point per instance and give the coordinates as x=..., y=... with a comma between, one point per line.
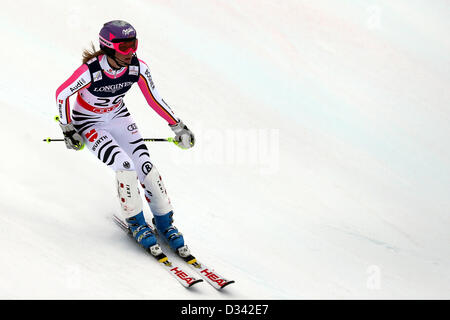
x=71, y=137
x=184, y=138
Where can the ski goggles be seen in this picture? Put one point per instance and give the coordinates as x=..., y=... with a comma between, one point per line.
x=120, y=45
x=125, y=47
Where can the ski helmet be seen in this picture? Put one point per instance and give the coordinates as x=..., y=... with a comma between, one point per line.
x=114, y=32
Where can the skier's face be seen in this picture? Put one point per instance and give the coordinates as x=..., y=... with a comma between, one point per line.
x=126, y=58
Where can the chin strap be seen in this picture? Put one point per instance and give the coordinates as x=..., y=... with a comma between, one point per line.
x=119, y=62
x=116, y=60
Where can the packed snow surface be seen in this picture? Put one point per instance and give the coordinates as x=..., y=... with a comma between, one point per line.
x=321, y=168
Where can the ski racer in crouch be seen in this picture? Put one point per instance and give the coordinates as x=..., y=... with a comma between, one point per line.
x=100, y=120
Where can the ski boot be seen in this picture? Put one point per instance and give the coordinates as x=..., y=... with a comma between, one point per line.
x=142, y=232
x=165, y=228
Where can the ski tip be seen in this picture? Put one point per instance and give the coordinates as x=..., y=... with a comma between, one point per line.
x=227, y=283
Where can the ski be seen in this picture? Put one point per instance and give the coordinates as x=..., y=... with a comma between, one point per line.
x=207, y=273
x=183, y=277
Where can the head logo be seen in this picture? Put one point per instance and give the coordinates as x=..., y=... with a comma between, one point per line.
x=127, y=31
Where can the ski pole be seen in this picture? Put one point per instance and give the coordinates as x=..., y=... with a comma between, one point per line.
x=170, y=139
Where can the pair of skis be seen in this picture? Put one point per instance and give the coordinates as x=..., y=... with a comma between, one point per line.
x=183, y=277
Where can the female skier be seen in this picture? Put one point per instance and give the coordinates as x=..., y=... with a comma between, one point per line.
x=101, y=121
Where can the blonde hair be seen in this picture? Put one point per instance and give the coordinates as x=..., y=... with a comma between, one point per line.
x=88, y=54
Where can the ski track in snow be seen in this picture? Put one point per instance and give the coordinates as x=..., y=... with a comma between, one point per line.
x=321, y=168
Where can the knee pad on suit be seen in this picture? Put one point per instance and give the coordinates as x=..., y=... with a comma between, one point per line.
x=128, y=192
x=156, y=193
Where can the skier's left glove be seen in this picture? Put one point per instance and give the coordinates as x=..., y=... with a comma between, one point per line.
x=184, y=138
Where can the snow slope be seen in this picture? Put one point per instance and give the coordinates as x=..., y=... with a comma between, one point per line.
x=321, y=169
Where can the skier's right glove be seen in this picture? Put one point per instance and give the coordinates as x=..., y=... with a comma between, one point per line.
x=184, y=138
x=71, y=137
